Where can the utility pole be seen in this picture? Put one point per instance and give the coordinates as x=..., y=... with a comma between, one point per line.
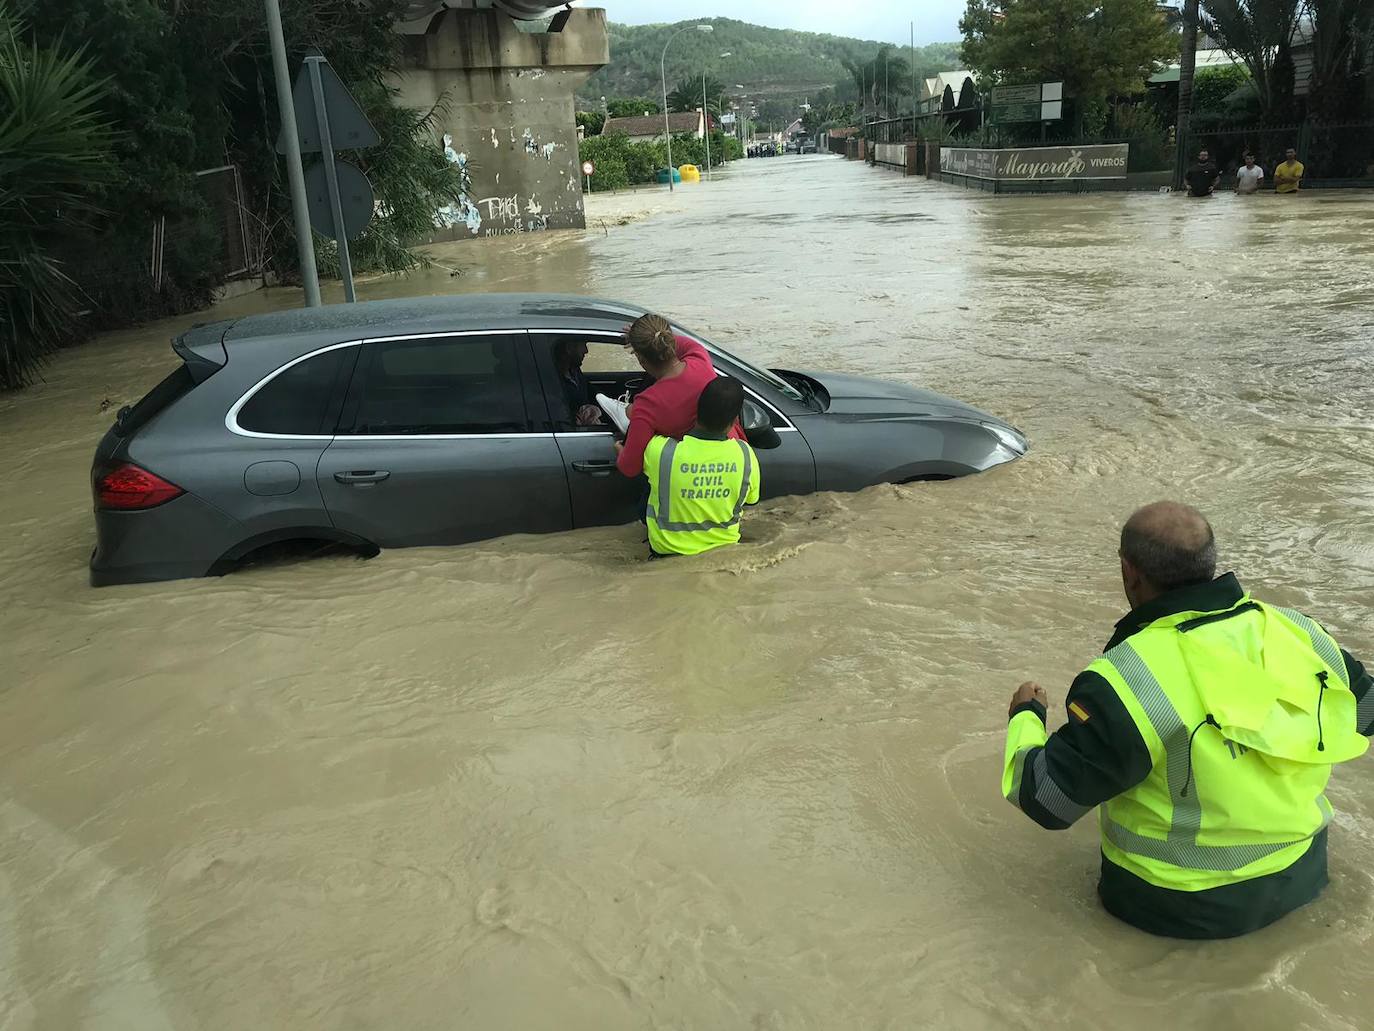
x=1187, y=66
x=914, y=91
x=295, y=175
x=706, y=121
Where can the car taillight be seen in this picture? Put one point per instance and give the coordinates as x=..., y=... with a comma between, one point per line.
x=127, y=487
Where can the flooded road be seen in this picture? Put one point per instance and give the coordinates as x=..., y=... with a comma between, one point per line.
x=538, y=783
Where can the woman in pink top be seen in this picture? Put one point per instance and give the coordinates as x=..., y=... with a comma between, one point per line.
x=681, y=368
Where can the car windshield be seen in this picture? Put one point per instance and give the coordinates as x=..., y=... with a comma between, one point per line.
x=771, y=378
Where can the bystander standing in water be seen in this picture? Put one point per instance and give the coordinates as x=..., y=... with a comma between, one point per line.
x=1202, y=175
x=1249, y=176
x=1288, y=175
x=1206, y=732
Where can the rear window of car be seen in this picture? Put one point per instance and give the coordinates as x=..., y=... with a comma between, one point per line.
x=302, y=400
x=174, y=387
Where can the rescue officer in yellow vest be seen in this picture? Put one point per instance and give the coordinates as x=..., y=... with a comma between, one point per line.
x=1205, y=734
x=699, y=485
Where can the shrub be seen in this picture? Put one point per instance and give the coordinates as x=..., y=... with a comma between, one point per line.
x=1150, y=150
x=53, y=161
x=1212, y=86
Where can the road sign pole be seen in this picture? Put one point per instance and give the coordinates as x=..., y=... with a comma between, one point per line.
x=305, y=244
x=331, y=176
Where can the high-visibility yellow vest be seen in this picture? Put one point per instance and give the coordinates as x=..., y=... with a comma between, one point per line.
x=697, y=490
x=1244, y=712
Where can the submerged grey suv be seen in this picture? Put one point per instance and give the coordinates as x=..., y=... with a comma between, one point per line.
x=448, y=419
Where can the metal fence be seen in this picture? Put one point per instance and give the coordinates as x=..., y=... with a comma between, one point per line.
x=1333, y=154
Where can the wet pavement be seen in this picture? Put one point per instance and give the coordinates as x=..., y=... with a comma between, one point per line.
x=539, y=783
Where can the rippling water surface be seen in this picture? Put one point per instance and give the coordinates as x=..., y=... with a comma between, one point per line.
x=538, y=783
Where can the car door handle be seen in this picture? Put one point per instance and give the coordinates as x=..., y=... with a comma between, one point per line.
x=602, y=467
x=363, y=478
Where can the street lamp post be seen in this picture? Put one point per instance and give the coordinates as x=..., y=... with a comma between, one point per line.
x=663, y=70
x=706, y=123
x=295, y=177
x=739, y=116
x=706, y=116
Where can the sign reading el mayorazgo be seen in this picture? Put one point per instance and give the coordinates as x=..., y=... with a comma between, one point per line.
x=1103, y=161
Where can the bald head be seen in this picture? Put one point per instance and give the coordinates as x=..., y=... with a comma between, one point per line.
x=1164, y=546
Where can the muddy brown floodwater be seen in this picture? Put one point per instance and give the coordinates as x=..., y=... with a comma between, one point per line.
x=538, y=783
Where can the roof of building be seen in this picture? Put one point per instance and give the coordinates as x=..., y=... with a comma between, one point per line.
x=1204, y=59
x=652, y=125
x=935, y=85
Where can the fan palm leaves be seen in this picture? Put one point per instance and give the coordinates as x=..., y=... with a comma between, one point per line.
x=54, y=157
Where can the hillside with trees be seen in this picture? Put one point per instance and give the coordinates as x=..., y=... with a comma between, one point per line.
x=766, y=61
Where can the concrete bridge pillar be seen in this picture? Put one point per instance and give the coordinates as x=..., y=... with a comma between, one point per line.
x=510, y=110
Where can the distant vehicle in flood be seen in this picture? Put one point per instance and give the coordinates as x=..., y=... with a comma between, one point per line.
x=443, y=420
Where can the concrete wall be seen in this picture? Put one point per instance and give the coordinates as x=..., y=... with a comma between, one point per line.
x=891, y=154
x=510, y=111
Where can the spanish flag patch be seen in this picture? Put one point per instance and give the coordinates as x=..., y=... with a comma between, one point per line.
x=1078, y=712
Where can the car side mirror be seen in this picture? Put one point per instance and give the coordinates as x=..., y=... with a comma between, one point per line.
x=758, y=427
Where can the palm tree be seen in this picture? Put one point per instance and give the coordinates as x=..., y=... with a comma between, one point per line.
x=1187, y=65
x=1258, y=33
x=882, y=81
x=686, y=95
x=54, y=157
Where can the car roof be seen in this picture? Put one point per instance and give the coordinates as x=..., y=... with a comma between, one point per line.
x=447, y=313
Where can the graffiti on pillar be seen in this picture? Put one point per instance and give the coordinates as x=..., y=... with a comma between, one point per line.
x=465, y=212
x=503, y=208
x=534, y=147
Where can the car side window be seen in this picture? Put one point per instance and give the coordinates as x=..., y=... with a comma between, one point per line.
x=302, y=400
x=445, y=385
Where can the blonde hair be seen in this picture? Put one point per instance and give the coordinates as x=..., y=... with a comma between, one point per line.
x=651, y=338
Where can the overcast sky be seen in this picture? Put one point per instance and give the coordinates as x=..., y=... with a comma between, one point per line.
x=937, y=21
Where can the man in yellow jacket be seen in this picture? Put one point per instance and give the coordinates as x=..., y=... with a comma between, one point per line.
x=699, y=485
x=1204, y=735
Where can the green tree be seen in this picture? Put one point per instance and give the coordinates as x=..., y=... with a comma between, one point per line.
x=687, y=94
x=1097, y=48
x=192, y=87
x=1342, y=56
x=54, y=159
x=829, y=116
x=632, y=107
x=592, y=122
x=1213, y=86
x=777, y=113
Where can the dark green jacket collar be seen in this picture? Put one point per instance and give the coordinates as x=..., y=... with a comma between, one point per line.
x=1222, y=593
x=700, y=434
